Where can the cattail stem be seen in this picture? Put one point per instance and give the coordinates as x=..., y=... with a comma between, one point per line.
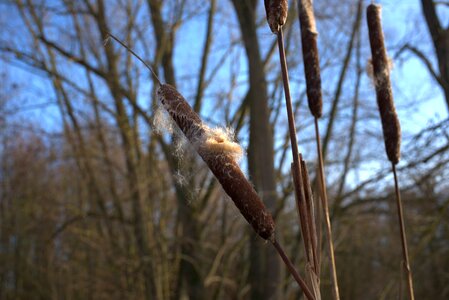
x=302, y=211
x=406, y=262
x=311, y=215
x=292, y=270
x=304, y=216
x=325, y=205
x=288, y=100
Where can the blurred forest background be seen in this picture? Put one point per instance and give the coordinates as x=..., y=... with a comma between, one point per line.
x=98, y=201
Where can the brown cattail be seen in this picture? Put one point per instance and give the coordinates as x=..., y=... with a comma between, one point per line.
x=381, y=71
x=277, y=11
x=311, y=59
x=219, y=154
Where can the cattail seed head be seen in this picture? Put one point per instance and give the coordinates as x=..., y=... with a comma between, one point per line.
x=381, y=71
x=311, y=57
x=277, y=11
x=220, y=155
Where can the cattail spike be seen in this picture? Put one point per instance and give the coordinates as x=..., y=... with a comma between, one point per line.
x=277, y=11
x=221, y=163
x=311, y=58
x=381, y=71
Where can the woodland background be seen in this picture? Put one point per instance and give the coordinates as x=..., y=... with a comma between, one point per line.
x=98, y=201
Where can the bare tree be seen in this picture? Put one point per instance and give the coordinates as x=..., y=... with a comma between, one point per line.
x=264, y=274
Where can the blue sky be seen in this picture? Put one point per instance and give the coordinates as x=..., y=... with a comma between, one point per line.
x=419, y=100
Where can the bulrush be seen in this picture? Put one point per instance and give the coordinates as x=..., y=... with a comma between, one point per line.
x=276, y=17
x=310, y=56
x=390, y=121
x=277, y=11
x=218, y=152
x=217, y=148
x=311, y=60
x=381, y=72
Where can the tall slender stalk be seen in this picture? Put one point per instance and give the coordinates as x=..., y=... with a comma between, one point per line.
x=288, y=100
x=390, y=122
x=406, y=262
x=293, y=271
x=314, y=96
x=276, y=17
x=304, y=214
x=325, y=205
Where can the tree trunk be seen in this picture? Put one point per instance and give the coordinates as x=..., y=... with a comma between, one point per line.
x=264, y=274
x=440, y=38
x=188, y=276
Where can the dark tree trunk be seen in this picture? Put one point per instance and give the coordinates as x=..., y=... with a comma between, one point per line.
x=440, y=38
x=264, y=272
x=188, y=277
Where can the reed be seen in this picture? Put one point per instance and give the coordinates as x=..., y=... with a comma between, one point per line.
x=223, y=165
x=215, y=152
x=219, y=153
x=311, y=62
x=390, y=121
x=276, y=12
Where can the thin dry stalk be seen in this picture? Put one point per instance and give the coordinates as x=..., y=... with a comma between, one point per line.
x=296, y=166
x=327, y=220
x=406, y=261
x=314, y=96
x=288, y=101
x=302, y=212
x=304, y=203
x=311, y=214
x=390, y=121
x=293, y=271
